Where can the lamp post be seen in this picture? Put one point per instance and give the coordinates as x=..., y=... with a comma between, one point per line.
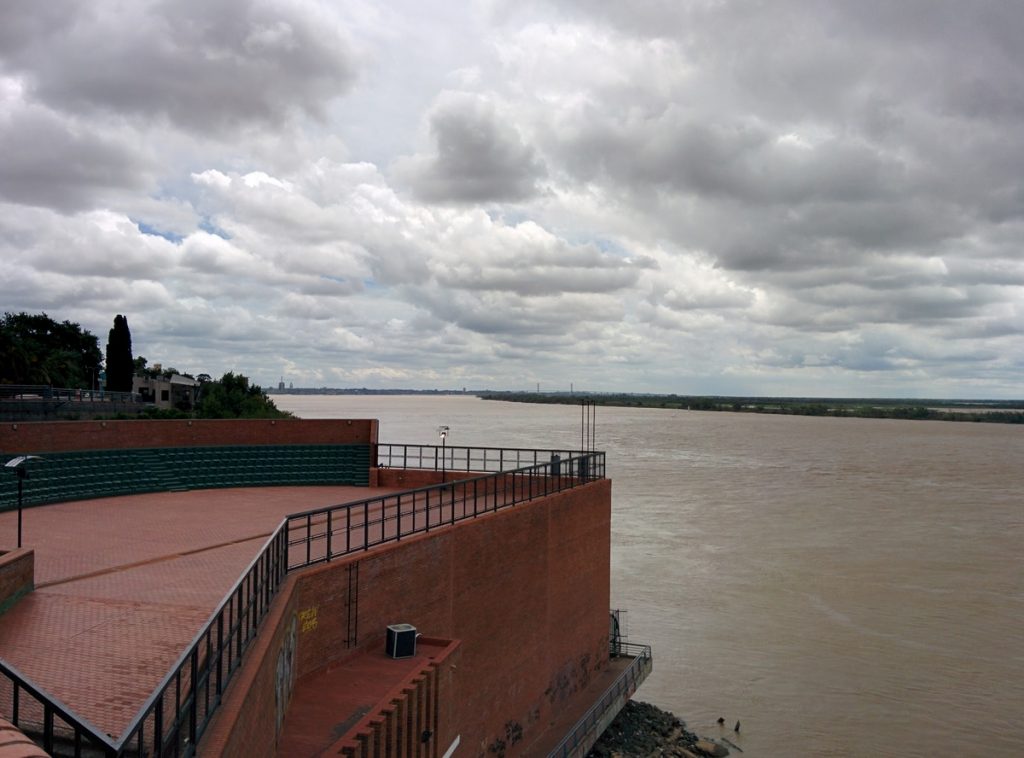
x=18, y=465
x=443, y=432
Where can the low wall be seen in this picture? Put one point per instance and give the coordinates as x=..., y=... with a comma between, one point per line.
x=525, y=589
x=57, y=436
x=14, y=744
x=413, y=478
x=17, y=576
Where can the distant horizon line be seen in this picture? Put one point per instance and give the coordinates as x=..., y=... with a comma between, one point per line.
x=324, y=390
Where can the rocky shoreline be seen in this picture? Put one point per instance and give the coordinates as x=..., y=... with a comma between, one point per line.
x=642, y=730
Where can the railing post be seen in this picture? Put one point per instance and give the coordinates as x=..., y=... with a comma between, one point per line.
x=220, y=654
x=309, y=537
x=194, y=708
x=47, y=728
x=238, y=626
x=158, y=725
x=330, y=530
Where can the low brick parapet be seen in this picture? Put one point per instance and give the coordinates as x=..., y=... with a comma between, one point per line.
x=14, y=744
x=17, y=576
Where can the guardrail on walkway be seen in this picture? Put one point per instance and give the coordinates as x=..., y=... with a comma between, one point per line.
x=39, y=392
x=459, y=458
x=321, y=534
x=588, y=729
x=172, y=720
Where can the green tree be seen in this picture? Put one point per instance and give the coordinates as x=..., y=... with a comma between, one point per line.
x=35, y=349
x=120, y=365
x=233, y=397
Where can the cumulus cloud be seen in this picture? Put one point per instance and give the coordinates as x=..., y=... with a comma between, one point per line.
x=667, y=196
x=52, y=161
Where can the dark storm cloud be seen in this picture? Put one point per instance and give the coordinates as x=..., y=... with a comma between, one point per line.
x=201, y=64
x=52, y=162
x=737, y=162
x=478, y=156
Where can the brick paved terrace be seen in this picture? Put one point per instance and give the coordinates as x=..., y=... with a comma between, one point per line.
x=124, y=584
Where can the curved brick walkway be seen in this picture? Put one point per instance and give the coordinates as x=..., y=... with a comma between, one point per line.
x=124, y=584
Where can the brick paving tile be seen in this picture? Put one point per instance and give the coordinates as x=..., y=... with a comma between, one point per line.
x=124, y=585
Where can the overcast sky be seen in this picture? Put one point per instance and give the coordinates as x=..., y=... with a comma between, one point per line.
x=709, y=197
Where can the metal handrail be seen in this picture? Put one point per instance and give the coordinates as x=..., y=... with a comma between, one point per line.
x=626, y=683
x=47, y=707
x=206, y=672
x=462, y=458
x=37, y=392
x=174, y=717
x=321, y=534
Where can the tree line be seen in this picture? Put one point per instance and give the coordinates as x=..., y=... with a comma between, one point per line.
x=993, y=412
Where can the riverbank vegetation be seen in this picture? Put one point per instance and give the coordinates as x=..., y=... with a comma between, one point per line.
x=987, y=411
x=39, y=355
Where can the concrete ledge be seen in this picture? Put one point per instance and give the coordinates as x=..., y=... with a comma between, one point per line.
x=17, y=576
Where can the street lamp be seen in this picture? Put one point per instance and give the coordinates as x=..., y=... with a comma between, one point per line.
x=443, y=432
x=18, y=464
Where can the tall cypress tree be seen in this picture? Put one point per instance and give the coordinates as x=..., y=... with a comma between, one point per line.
x=120, y=365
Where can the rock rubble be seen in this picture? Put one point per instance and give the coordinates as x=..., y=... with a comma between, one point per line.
x=642, y=730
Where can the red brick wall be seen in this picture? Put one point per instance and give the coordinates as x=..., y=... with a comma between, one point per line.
x=246, y=723
x=17, y=575
x=421, y=703
x=59, y=436
x=526, y=590
x=413, y=478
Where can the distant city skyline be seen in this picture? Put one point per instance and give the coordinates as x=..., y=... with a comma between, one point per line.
x=815, y=199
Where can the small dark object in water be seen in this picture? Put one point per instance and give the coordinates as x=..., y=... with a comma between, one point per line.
x=737, y=727
x=721, y=720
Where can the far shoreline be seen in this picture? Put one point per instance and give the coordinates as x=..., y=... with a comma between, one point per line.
x=975, y=411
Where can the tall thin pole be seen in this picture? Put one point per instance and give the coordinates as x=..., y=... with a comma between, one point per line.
x=593, y=426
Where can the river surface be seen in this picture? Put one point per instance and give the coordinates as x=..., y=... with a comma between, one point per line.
x=843, y=587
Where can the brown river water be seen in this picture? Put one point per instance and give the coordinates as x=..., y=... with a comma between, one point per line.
x=842, y=587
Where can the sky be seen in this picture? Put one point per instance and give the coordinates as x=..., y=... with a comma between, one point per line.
x=694, y=197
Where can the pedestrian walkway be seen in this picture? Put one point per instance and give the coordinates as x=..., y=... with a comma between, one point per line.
x=124, y=584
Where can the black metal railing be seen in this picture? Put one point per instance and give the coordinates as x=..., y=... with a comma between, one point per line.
x=322, y=534
x=458, y=458
x=575, y=742
x=174, y=717
x=39, y=392
x=46, y=720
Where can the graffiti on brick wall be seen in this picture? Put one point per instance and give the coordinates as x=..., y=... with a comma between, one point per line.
x=285, y=672
x=570, y=679
x=308, y=619
x=513, y=734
